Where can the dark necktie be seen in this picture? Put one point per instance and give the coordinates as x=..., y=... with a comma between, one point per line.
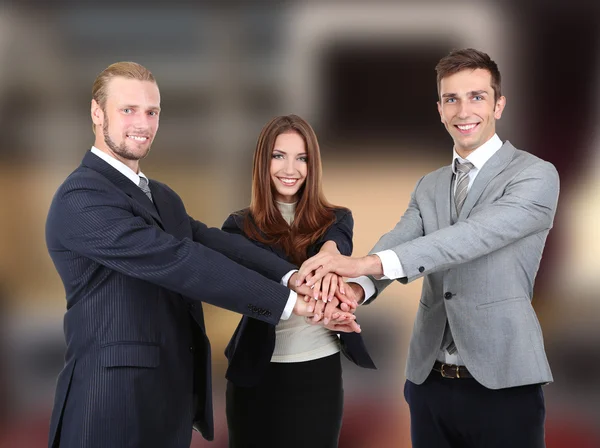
x=145, y=187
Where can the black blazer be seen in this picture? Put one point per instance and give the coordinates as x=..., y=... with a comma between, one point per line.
x=137, y=369
x=251, y=347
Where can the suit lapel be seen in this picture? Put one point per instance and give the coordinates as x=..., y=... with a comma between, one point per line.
x=161, y=201
x=497, y=163
x=94, y=162
x=443, y=190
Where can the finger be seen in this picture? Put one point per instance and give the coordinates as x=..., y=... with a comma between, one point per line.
x=303, y=290
x=344, y=307
x=332, y=287
x=347, y=316
x=316, y=289
x=311, y=304
x=350, y=301
x=341, y=285
x=350, y=327
x=319, y=273
x=325, y=286
x=308, y=267
x=329, y=310
x=319, y=305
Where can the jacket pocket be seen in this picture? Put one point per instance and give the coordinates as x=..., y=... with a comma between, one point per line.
x=130, y=355
x=500, y=302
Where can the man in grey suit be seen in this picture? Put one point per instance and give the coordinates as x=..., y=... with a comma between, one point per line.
x=475, y=230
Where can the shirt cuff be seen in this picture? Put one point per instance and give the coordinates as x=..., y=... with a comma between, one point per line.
x=392, y=269
x=286, y=277
x=289, y=307
x=367, y=286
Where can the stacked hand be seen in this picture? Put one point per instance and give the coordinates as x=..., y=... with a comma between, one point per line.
x=330, y=302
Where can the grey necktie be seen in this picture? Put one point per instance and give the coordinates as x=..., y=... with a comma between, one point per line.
x=460, y=194
x=145, y=187
x=462, y=183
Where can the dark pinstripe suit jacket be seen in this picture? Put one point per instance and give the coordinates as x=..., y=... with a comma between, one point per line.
x=137, y=367
x=251, y=347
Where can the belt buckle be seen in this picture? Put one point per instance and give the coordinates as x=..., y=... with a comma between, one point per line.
x=448, y=376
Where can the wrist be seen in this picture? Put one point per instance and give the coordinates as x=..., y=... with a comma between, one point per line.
x=370, y=265
x=291, y=284
x=359, y=292
x=329, y=246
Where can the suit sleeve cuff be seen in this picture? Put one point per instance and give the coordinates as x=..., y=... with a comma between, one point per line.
x=289, y=307
x=367, y=286
x=392, y=269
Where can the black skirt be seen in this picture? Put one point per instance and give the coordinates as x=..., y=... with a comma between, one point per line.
x=295, y=405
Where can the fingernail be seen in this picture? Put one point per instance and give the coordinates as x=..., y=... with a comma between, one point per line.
x=326, y=321
x=311, y=308
x=297, y=282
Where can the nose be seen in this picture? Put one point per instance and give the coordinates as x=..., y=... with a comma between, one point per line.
x=465, y=110
x=288, y=168
x=141, y=122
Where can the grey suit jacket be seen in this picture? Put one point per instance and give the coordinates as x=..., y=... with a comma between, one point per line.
x=479, y=272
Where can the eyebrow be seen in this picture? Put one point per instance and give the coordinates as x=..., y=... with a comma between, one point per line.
x=283, y=152
x=137, y=106
x=471, y=93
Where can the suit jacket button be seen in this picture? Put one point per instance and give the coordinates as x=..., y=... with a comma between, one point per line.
x=192, y=306
x=421, y=268
x=191, y=348
x=448, y=296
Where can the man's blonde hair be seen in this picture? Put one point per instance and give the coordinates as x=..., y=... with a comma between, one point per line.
x=126, y=69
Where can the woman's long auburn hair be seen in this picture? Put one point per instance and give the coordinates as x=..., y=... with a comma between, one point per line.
x=314, y=214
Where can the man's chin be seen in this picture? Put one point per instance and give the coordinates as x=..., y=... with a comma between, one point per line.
x=466, y=143
x=134, y=155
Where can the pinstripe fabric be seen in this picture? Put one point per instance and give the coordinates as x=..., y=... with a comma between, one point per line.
x=137, y=351
x=250, y=349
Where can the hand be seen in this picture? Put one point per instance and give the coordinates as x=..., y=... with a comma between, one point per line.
x=347, y=296
x=301, y=289
x=335, y=309
x=327, y=287
x=315, y=268
x=349, y=327
x=305, y=307
x=354, y=293
x=341, y=321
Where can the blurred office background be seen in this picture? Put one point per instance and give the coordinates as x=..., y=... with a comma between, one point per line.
x=363, y=74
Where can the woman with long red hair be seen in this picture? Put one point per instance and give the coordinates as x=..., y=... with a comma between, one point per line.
x=285, y=382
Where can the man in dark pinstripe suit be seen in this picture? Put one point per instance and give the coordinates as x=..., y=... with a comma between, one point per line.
x=135, y=268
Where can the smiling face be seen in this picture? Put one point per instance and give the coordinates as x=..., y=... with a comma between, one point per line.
x=128, y=122
x=468, y=109
x=288, y=167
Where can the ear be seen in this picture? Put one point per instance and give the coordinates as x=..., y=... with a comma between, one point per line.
x=97, y=114
x=500, y=105
x=439, y=105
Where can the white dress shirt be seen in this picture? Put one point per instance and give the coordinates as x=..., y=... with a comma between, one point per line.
x=135, y=178
x=392, y=268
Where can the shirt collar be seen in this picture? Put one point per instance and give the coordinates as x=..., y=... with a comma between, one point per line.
x=119, y=166
x=481, y=155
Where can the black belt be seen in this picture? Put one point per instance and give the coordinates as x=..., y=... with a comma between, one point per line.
x=451, y=371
